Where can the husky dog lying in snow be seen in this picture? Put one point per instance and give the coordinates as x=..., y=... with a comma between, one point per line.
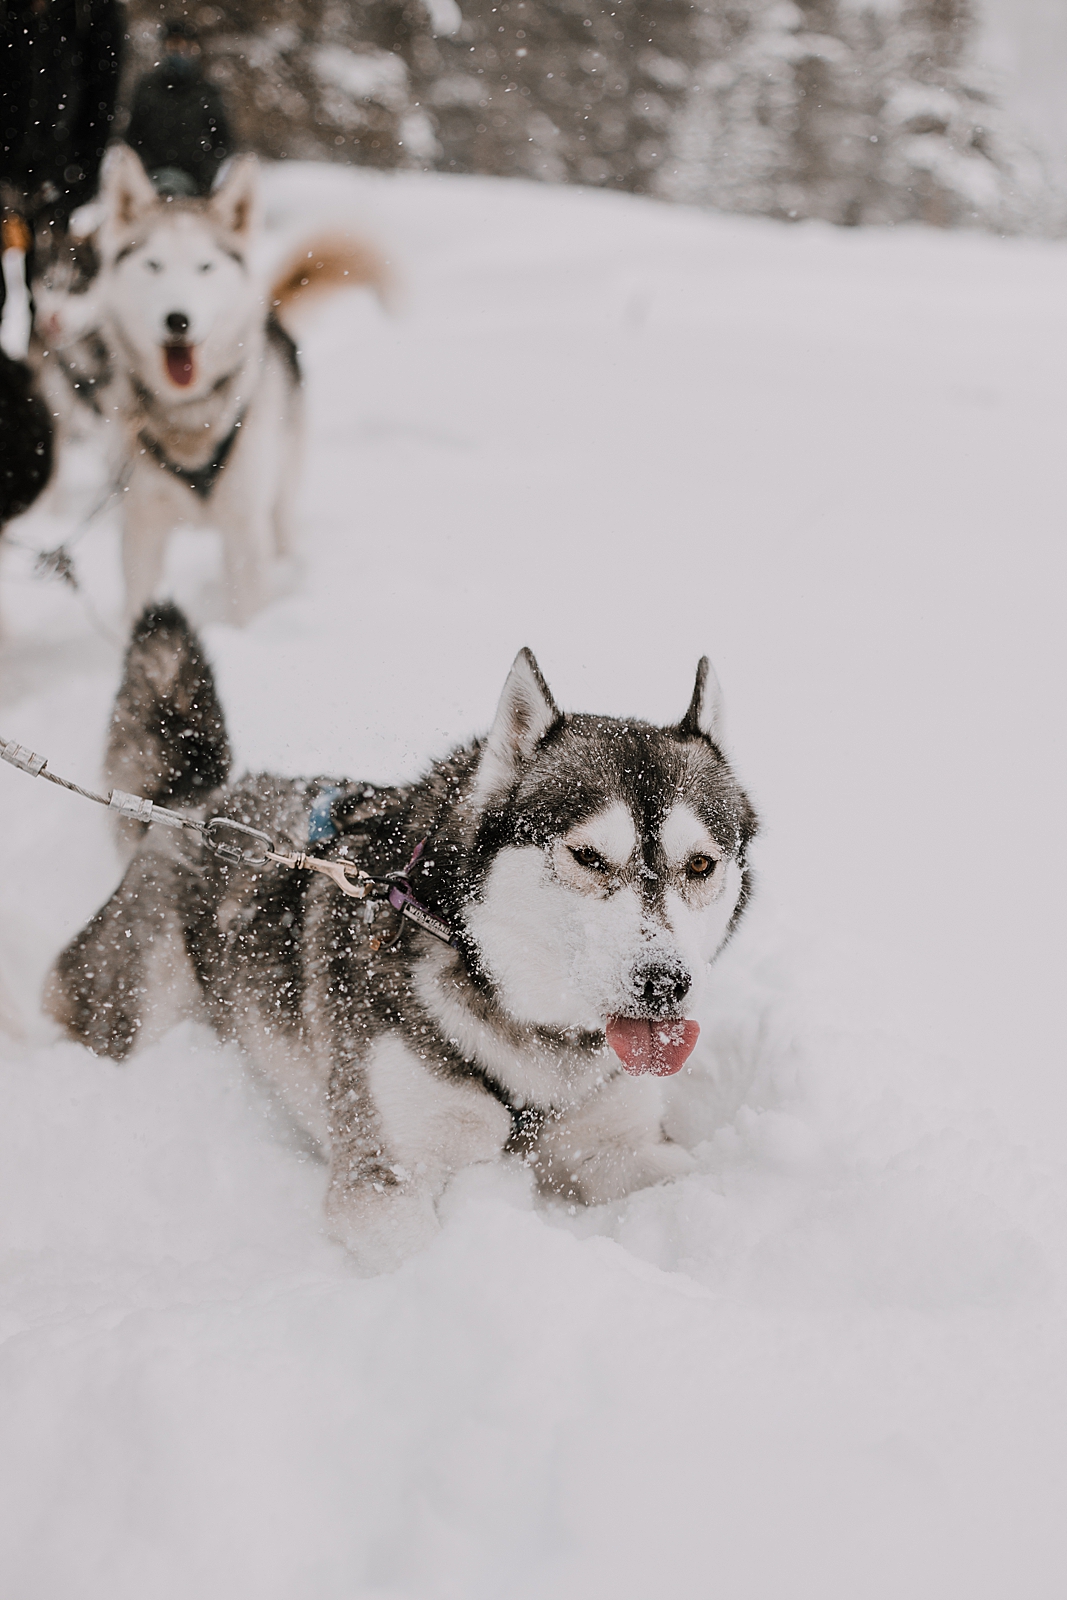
x=205, y=380
x=584, y=870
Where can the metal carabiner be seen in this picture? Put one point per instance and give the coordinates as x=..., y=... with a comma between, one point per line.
x=233, y=852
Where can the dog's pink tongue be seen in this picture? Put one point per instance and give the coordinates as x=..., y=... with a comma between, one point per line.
x=179, y=364
x=661, y=1048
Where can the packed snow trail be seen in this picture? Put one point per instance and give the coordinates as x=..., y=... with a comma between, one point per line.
x=830, y=1364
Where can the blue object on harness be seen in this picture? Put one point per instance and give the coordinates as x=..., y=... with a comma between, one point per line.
x=320, y=818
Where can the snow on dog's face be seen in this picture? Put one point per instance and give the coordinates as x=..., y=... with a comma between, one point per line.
x=611, y=861
x=176, y=280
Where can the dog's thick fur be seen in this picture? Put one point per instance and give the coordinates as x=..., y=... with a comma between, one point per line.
x=592, y=868
x=204, y=376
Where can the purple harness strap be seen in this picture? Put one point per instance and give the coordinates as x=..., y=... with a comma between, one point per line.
x=402, y=899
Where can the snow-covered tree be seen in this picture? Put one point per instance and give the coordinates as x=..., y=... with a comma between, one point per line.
x=561, y=89
x=850, y=110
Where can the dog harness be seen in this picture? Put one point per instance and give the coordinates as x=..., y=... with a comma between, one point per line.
x=241, y=846
x=237, y=844
x=320, y=819
x=201, y=480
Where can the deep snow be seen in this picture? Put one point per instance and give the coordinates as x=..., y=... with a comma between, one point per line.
x=829, y=1366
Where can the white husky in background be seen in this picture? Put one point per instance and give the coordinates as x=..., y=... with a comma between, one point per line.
x=206, y=380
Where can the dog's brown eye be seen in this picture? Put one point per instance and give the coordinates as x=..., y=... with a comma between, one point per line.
x=586, y=857
x=700, y=866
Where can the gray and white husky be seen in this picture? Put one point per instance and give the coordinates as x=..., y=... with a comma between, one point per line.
x=565, y=884
x=66, y=349
x=205, y=380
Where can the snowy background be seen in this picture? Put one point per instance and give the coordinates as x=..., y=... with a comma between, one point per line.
x=849, y=111
x=1025, y=42
x=829, y=1366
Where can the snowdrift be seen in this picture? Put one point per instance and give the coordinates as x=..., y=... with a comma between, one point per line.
x=829, y=1365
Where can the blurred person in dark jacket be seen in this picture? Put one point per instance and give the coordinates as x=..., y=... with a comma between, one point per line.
x=178, y=124
x=26, y=430
x=59, y=73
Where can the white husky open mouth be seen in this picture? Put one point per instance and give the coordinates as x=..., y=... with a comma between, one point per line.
x=180, y=363
x=660, y=1046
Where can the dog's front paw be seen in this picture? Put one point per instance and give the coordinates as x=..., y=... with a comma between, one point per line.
x=380, y=1226
x=611, y=1171
x=655, y=1163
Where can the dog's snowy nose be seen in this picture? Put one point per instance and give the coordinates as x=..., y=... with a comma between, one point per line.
x=662, y=986
x=177, y=324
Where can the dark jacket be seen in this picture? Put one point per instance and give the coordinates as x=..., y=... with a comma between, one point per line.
x=178, y=123
x=59, y=73
x=26, y=429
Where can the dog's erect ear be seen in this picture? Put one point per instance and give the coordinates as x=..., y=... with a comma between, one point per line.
x=525, y=714
x=235, y=203
x=126, y=193
x=705, y=714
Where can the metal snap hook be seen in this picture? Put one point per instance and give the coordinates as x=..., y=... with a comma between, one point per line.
x=233, y=853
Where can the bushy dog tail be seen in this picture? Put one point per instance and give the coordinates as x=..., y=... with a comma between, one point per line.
x=168, y=739
x=336, y=261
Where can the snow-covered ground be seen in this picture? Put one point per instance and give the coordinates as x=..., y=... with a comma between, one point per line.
x=831, y=1364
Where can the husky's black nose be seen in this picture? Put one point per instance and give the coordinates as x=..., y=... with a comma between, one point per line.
x=661, y=986
x=177, y=323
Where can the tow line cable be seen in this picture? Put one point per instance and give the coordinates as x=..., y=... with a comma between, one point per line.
x=249, y=847
x=59, y=562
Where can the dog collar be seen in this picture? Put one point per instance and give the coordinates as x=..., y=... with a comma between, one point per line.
x=402, y=898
